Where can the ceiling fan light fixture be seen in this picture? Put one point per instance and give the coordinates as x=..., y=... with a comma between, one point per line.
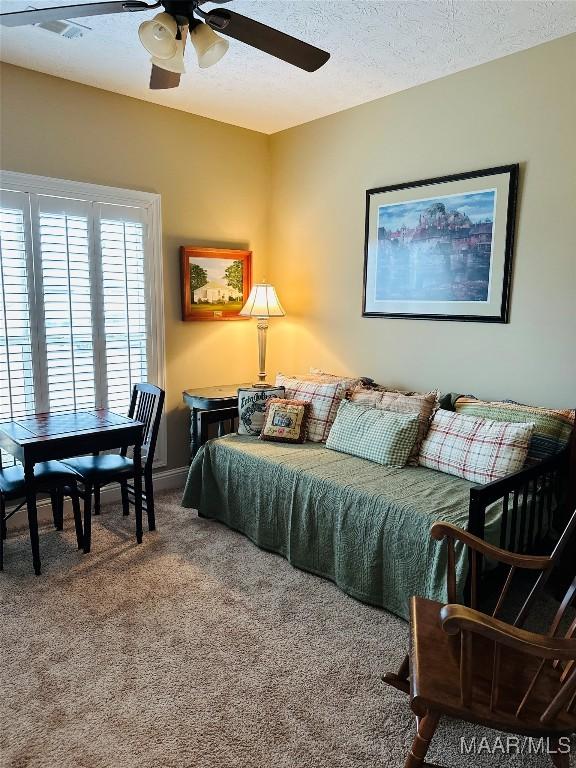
x=174, y=64
x=209, y=46
x=158, y=36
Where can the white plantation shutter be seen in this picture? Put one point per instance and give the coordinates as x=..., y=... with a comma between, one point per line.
x=17, y=392
x=81, y=314
x=64, y=254
x=16, y=372
x=124, y=300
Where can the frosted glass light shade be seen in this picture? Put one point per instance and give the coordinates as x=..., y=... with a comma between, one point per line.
x=209, y=46
x=175, y=63
x=262, y=302
x=158, y=36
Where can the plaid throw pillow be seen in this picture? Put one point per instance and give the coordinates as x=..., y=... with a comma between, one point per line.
x=316, y=374
x=324, y=399
x=374, y=434
x=476, y=449
x=552, y=427
x=348, y=383
x=421, y=404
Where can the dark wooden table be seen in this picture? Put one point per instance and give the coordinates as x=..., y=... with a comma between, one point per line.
x=46, y=436
x=208, y=406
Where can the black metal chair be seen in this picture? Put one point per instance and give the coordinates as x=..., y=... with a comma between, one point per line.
x=52, y=477
x=96, y=471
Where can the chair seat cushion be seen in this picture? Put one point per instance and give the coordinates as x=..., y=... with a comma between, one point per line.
x=47, y=474
x=97, y=467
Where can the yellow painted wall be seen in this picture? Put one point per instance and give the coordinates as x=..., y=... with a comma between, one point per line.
x=301, y=193
x=518, y=109
x=214, y=182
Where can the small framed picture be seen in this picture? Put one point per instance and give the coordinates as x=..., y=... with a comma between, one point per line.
x=441, y=249
x=216, y=282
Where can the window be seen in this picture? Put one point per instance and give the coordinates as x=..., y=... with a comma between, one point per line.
x=81, y=310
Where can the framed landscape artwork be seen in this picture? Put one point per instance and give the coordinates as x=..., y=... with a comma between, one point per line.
x=215, y=282
x=441, y=249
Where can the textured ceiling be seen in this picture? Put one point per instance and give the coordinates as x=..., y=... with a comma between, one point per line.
x=377, y=48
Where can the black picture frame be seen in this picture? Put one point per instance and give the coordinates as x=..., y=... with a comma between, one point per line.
x=506, y=177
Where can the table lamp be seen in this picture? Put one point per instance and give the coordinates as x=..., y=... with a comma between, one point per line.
x=262, y=304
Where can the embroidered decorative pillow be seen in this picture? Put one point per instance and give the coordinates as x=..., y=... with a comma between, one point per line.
x=285, y=421
x=552, y=427
x=476, y=449
x=423, y=405
x=324, y=399
x=251, y=407
x=374, y=434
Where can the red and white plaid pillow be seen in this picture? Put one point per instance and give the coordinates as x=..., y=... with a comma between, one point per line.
x=321, y=377
x=324, y=399
x=317, y=374
x=476, y=449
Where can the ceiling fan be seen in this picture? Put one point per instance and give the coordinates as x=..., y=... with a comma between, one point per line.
x=164, y=36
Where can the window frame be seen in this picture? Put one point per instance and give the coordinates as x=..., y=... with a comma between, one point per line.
x=150, y=203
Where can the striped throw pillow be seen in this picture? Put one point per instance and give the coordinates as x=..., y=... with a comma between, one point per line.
x=370, y=433
x=476, y=449
x=552, y=427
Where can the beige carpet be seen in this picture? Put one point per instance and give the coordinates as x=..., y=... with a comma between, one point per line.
x=196, y=649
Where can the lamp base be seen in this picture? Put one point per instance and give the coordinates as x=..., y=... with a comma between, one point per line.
x=261, y=385
x=262, y=328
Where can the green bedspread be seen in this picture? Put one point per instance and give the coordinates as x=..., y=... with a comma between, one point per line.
x=364, y=526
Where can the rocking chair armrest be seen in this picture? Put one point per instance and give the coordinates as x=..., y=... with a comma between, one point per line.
x=441, y=531
x=459, y=618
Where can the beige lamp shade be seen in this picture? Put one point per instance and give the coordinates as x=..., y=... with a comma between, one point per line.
x=209, y=46
x=158, y=36
x=262, y=302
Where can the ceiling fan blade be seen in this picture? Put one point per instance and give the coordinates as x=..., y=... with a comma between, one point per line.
x=41, y=15
x=267, y=39
x=161, y=79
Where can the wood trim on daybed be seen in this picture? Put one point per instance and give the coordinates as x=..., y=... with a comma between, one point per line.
x=537, y=503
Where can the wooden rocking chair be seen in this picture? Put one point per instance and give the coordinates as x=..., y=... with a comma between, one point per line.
x=478, y=668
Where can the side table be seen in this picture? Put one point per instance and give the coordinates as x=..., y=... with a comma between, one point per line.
x=211, y=405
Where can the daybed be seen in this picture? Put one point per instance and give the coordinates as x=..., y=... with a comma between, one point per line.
x=364, y=526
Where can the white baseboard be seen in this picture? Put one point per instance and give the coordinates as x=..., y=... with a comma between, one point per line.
x=165, y=480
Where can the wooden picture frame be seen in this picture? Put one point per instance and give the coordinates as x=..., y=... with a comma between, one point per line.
x=215, y=282
x=441, y=248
